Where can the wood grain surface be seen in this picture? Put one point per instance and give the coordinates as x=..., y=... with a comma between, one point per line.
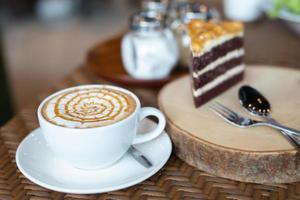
x=258, y=154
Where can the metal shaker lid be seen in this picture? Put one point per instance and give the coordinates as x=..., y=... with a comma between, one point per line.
x=155, y=5
x=147, y=20
x=195, y=10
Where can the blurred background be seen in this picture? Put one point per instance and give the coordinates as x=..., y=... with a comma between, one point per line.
x=43, y=40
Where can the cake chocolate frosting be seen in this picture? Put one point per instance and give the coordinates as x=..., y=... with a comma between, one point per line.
x=217, y=57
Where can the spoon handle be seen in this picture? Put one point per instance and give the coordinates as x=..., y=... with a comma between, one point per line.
x=281, y=127
x=291, y=139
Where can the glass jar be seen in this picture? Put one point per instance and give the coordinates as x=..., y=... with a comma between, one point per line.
x=149, y=49
x=185, y=13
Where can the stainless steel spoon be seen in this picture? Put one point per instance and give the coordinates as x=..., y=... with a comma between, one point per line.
x=254, y=102
x=139, y=157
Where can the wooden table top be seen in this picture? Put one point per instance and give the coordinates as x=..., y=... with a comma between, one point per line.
x=272, y=42
x=266, y=42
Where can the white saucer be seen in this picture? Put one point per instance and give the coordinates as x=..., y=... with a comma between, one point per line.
x=37, y=162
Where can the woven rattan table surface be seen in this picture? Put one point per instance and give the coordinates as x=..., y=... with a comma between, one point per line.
x=176, y=180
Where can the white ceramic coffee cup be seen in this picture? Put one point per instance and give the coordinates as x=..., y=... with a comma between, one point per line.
x=98, y=147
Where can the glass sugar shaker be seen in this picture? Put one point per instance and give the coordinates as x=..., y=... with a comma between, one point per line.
x=185, y=13
x=149, y=49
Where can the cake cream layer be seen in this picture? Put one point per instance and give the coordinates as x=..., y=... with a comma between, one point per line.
x=221, y=50
x=204, y=35
x=219, y=80
x=210, y=44
x=218, y=90
x=209, y=76
x=221, y=60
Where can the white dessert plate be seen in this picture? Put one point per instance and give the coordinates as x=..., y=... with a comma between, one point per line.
x=37, y=162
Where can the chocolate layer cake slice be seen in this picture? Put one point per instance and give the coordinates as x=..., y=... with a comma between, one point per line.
x=217, y=57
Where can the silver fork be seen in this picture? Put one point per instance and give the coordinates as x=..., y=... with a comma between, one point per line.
x=242, y=121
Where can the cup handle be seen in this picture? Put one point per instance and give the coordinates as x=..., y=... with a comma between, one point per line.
x=149, y=111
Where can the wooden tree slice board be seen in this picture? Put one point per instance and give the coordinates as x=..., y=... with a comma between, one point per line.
x=260, y=154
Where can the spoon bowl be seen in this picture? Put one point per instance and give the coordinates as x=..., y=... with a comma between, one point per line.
x=254, y=102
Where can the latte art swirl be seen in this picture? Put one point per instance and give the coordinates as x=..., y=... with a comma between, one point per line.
x=88, y=107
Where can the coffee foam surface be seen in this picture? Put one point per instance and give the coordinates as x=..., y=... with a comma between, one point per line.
x=88, y=107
